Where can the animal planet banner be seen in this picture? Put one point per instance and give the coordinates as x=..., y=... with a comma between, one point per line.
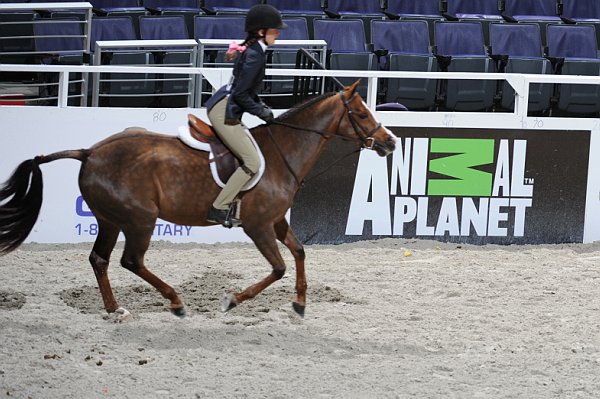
x=474, y=186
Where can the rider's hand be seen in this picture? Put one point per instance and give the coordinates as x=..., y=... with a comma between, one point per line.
x=266, y=115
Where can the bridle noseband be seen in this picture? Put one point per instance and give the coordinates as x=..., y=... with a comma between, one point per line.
x=367, y=139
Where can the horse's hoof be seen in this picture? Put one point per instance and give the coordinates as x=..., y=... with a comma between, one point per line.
x=179, y=312
x=299, y=308
x=227, y=302
x=121, y=314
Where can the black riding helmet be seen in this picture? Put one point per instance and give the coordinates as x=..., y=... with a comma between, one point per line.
x=263, y=16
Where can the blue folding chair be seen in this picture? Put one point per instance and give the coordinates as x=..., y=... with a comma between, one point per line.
x=120, y=8
x=462, y=43
x=229, y=6
x=582, y=12
x=406, y=47
x=541, y=12
x=422, y=10
x=346, y=40
x=187, y=8
x=483, y=11
x=172, y=90
x=120, y=89
x=576, y=50
x=518, y=48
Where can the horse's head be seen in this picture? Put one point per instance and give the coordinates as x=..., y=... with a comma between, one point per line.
x=359, y=124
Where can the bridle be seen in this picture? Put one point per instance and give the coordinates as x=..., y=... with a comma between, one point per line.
x=366, y=138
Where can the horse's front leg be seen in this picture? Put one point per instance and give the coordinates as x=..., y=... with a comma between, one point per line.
x=265, y=240
x=288, y=238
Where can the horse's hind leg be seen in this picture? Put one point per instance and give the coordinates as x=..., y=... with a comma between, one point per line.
x=136, y=245
x=99, y=257
x=287, y=237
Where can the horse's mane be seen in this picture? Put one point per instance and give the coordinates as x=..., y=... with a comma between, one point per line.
x=302, y=106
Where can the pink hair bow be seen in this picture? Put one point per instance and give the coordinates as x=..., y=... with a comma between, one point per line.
x=233, y=46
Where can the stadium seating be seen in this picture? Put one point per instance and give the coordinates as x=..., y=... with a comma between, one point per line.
x=171, y=90
x=279, y=89
x=118, y=89
x=542, y=12
x=483, y=11
x=120, y=8
x=187, y=8
x=366, y=10
x=582, y=12
x=462, y=44
x=427, y=10
x=346, y=40
x=406, y=47
x=308, y=9
x=518, y=48
x=580, y=59
x=229, y=6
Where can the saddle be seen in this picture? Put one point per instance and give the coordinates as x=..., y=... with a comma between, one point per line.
x=223, y=163
x=226, y=163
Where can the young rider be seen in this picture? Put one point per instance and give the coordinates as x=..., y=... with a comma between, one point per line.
x=226, y=107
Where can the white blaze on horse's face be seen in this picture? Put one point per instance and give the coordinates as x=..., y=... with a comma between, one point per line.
x=391, y=139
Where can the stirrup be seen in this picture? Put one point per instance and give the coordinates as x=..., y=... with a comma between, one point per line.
x=226, y=217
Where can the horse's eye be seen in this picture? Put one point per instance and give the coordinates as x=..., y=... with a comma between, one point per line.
x=363, y=115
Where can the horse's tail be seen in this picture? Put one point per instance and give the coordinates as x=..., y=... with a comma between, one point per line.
x=21, y=198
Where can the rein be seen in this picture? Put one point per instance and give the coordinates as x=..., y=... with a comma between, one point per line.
x=367, y=140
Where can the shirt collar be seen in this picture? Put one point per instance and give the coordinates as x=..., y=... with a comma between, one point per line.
x=264, y=46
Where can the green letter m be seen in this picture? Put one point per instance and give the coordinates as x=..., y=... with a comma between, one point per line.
x=466, y=181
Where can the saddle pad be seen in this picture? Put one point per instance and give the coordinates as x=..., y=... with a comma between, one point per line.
x=185, y=136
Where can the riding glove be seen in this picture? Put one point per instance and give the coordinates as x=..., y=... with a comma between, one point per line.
x=266, y=115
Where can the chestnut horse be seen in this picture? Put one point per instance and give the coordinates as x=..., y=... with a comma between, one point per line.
x=134, y=177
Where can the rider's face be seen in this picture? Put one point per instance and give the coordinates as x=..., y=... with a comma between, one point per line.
x=270, y=35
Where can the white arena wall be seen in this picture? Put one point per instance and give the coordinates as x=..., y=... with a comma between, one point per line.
x=29, y=131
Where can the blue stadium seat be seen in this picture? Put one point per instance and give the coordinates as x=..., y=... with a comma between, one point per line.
x=130, y=89
x=424, y=8
x=484, y=11
x=229, y=6
x=346, y=40
x=463, y=43
x=542, y=12
x=219, y=27
x=309, y=9
x=408, y=48
x=427, y=10
x=366, y=10
x=582, y=12
x=355, y=8
x=172, y=90
x=172, y=5
x=61, y=39
x=279, y=89
x=576, y=49
x=297, y=7
x=188, y=8
x=118, y=8
x=163, y=27
x=519, y=49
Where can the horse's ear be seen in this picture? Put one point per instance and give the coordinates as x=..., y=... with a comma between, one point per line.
x=352, y=88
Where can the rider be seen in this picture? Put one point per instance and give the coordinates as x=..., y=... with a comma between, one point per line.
x=226, y=107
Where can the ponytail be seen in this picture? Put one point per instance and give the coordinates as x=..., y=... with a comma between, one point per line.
x=235, y=49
